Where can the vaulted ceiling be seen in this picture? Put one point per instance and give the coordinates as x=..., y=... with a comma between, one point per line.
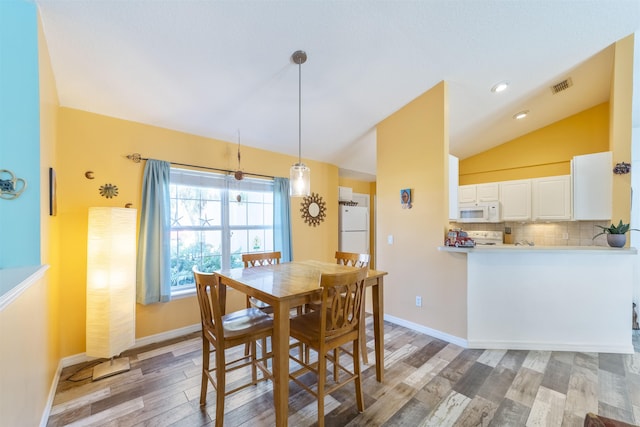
x=216, y=68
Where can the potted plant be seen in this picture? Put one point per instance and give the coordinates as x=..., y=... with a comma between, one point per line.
x=616, y=234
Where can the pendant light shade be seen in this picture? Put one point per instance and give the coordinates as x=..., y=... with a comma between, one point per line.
x=300, y=174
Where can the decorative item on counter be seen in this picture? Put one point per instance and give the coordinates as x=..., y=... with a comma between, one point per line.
x=313, y=209
x=109, y=191
x=405, y=198
x=616, y=234
x=508, y=237
x=459, y=238
x=622, y=168
x=10, y=186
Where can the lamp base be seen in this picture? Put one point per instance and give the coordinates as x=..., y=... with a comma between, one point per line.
x=111, y=367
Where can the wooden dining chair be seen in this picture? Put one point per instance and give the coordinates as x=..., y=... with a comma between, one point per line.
x=220, y=333
x=255, y=260
x=352, y=259
x=335, y=324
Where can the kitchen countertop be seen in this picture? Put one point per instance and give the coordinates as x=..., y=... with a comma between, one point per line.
x=526, y=248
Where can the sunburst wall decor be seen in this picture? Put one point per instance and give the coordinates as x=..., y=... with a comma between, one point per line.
x=313, y=209
x=109, y=190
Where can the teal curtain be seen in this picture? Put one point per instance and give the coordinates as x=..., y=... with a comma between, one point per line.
x=153, y=283
x=282, y=218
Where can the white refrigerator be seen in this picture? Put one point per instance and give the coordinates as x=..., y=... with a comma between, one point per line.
x=354, y=229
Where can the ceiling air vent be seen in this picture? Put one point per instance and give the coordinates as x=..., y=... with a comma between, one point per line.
x=563, y=85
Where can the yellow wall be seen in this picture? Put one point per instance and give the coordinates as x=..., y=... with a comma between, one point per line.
x=620, y=133
x=98, y=143
x=412, y=152
x=544, y=152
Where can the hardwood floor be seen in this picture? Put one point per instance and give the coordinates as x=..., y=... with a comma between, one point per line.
x=428, y=382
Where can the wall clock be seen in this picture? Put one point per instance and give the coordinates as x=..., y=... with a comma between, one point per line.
x=313, y=209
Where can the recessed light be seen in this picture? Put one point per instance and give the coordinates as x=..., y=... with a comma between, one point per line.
x=521, y=115
x=500, y=87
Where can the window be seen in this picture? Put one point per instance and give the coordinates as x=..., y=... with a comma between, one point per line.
x=214, y=220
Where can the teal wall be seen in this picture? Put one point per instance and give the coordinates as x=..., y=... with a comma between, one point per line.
x=20, y=132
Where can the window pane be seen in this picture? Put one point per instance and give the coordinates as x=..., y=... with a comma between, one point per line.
x=189, y=248
x=237, y=213
x=255, y=215
x=256, y=241
x=239, y=241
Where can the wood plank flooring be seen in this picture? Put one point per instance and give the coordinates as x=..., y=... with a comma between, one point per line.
x=428, y=382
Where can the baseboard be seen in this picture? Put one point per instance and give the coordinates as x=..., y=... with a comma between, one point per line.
x=552, y=346
x=82, y=357
x=425, y=330
x=52, y=394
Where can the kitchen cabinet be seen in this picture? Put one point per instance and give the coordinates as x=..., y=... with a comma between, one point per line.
x=453, y=187
x=479, y=193
x=551, y=198
x=515, y=197
x=592, y=186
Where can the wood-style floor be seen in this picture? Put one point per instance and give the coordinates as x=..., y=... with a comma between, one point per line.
x=428, y=382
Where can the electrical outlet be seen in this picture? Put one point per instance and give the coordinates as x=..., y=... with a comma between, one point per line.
x=418, y=301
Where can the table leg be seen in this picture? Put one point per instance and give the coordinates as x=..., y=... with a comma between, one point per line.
x=378, y=326
x=281, y=363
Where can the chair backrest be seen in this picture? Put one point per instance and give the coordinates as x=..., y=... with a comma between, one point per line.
x=207, y=288
x=342, y=299
x=352, y=259
x=262, y=258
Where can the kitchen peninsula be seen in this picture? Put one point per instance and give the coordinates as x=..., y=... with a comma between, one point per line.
x=559, y=298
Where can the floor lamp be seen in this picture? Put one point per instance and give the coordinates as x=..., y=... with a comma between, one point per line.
x=111, y=287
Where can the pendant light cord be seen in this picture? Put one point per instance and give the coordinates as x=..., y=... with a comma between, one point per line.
x=300, y=113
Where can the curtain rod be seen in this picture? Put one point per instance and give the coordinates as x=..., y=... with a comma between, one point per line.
x=136, y=157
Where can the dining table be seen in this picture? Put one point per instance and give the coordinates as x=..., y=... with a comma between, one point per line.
x=292, y=284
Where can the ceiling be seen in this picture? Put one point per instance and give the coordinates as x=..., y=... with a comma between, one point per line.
x=223, y=68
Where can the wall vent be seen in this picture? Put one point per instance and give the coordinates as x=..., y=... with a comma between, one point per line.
x=561, y=86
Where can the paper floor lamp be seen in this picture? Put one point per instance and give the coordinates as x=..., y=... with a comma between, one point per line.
x=111, y=287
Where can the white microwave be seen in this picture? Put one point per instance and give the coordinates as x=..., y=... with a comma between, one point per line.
x=479, y=212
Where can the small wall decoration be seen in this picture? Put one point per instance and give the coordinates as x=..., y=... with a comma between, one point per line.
x=10, y=186
x=405, y=198
x=313, y=209
x=109, y=190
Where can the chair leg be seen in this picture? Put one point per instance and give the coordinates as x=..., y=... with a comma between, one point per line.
x=358, y=380
x=322, y=375
x=205, y=367
x=336, y=358
x=220, y=386
x=254, y=370
x=363, y=341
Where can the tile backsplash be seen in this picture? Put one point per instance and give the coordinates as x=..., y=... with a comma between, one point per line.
x=565, y=233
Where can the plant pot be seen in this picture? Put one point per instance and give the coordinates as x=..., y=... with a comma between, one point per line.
x=616, y=240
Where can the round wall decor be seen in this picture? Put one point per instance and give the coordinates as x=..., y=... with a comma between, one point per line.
x=313, y=209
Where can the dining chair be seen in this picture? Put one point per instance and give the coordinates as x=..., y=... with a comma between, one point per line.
x=222, y=332
x=352, y=259
x=255, y=260
x=357, y=260
x=334, y=324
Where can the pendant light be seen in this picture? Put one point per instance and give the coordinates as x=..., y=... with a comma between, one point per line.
x=300, y=174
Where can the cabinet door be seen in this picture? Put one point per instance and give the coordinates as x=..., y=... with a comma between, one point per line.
x=467, y=193
x=515, y=197
x=592, y=186
x=489, y=192
x=551, y=198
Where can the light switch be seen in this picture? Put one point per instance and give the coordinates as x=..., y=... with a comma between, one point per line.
x=390, y=239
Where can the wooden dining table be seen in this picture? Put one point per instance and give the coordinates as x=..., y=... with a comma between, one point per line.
x=292, y=284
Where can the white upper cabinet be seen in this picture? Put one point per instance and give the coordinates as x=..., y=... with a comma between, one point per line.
x=479, y=193
x=592, y=186
x=515, y=197
x=551, y=198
